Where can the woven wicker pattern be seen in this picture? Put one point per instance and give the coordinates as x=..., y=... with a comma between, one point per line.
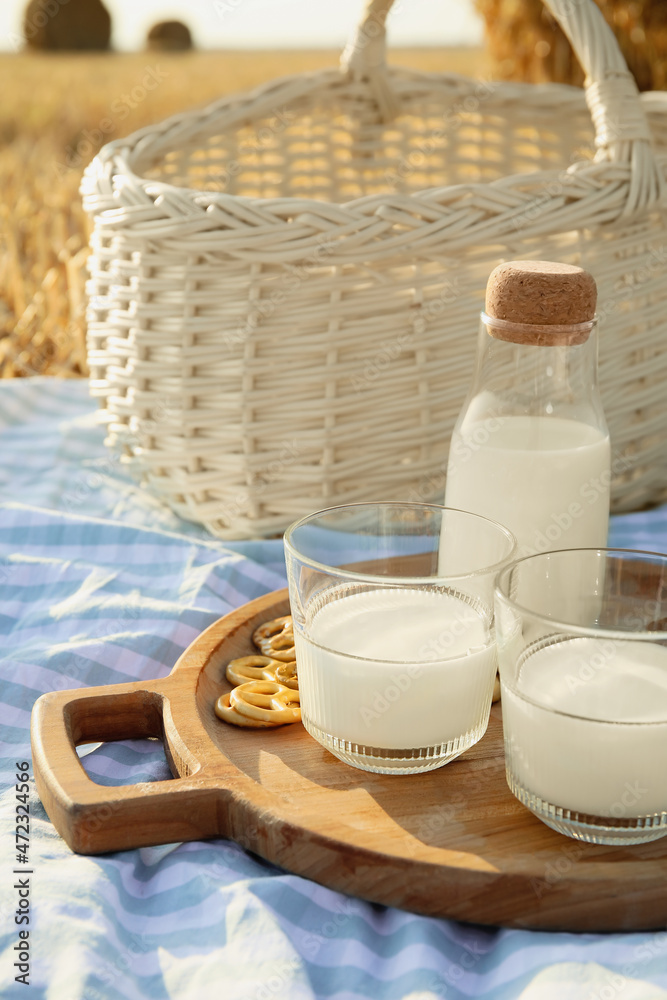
x=285, y=286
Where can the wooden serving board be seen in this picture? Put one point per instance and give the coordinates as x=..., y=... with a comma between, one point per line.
x=449, y=843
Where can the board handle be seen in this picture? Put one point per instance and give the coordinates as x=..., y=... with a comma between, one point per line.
x=93, y=818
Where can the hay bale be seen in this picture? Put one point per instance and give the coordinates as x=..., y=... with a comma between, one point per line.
x=169, y=36
x=65, y=25
x=525, y=43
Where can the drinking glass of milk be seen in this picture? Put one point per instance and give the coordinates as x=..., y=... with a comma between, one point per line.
x=396, y=660
x=584, y=697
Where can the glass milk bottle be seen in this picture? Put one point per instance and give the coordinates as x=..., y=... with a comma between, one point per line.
x=531, y=446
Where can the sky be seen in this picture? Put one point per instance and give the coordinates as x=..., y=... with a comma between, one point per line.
x=273, y=23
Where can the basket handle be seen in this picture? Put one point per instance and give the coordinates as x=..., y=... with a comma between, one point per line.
x=622, y=133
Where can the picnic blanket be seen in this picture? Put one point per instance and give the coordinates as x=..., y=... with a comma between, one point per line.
x=101, y=584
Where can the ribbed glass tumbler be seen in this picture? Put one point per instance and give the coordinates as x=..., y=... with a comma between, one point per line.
x=392, y=605
x=582, y=651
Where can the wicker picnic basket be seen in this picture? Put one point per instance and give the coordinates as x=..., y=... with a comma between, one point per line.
x=285, y=285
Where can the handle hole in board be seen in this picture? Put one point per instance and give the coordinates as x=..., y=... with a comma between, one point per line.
x=127, y=762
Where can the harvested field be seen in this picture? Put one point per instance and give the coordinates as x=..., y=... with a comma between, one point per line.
x=56, y=112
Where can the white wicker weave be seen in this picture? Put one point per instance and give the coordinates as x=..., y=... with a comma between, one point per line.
x=285, y=286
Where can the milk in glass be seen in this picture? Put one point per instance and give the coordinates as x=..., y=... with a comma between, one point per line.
x=585, y=725
x=396, y=669
x=544, y=478
x=530, y=448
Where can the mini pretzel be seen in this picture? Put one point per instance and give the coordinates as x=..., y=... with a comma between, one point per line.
x=267, y=701
x=276, y=638
x=285, y=673
x=262, y=668
x=224, y=711
x=252, y=668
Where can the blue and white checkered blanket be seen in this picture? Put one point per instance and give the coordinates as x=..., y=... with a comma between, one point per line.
x=100, y=584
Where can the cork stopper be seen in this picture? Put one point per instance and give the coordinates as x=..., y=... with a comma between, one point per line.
x=540, y=302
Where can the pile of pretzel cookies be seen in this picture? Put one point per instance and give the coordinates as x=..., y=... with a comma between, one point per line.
x=267, y=688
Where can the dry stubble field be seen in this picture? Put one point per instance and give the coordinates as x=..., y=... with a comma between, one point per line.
x=50, y=115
